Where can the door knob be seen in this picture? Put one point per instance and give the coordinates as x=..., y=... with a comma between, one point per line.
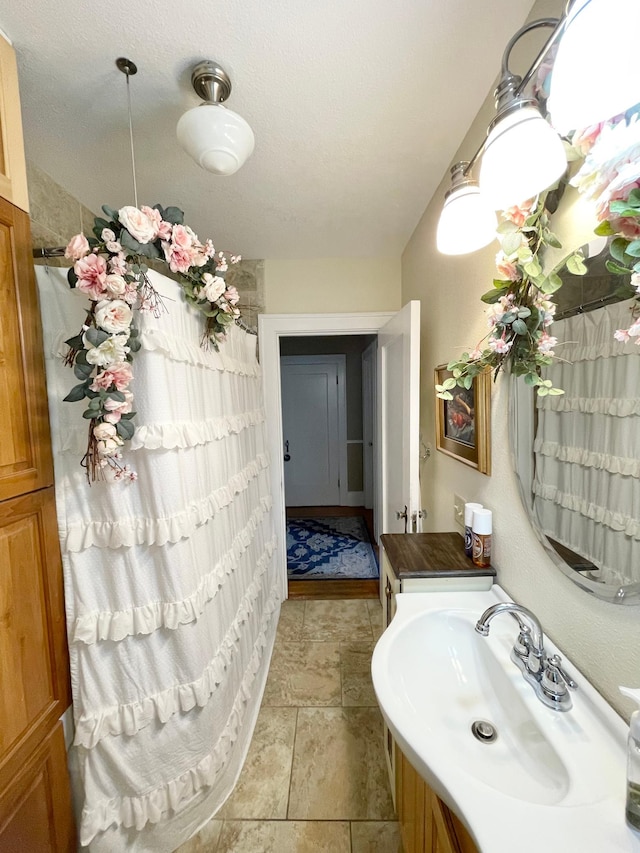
x=404, y=515
x=287, y=455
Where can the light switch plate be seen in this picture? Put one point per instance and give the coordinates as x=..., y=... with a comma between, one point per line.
x=458, y=510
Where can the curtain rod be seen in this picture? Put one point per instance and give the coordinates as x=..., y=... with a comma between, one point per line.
x=58, y=252
x=611, y=299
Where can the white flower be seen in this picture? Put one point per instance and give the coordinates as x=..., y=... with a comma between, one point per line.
x=213, y=286
x=137, y=224
x=109, y=442
x=114, y=246
x=108, y=235
x=103, y=431
x=113, y=315
x=111, y=351
x=115, y=285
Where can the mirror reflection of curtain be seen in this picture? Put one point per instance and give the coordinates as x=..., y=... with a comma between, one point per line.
x=587, y=447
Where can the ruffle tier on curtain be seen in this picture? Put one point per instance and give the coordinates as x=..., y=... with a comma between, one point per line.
x=587, y=448
x=171, y=593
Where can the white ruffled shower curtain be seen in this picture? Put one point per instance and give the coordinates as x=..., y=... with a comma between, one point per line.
x=587, y=447
x=171, y=592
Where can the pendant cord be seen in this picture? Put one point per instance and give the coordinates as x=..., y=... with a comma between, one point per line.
x=133, y=156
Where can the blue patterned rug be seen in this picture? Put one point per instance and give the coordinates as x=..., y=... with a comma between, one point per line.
x=330, y=548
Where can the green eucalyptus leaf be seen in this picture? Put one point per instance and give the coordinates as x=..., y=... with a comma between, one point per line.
x=444, y=395
x=533, y=268
x=501, y=283
x=511, y=242
x=492, y=296
x=604, y=229
x=118, y=396
x=555, y=392
x=617, y=269
x=623, y=209
x=507, y=227
x=576, y=264
x=125, y=429
x=110, y=212
x=524, y=312
x=82, y=371
x=542, y=391
x=467, y=382
x=618, y=248
x=173, y=215
x=519, y=327
x=633, y=249
x=532, y=379
x=550, y=239
x=552, y=283
x=75, y=342
x=76, y=393
x=449, y=383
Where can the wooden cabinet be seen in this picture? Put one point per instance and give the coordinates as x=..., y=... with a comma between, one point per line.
x=35, y=800
x=13, y=172
x=427, y=825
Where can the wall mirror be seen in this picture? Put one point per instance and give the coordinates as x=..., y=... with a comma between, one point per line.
x=577, y=456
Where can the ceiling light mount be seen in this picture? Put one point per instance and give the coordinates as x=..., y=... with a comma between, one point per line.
x=126, y=66
x=211, y=82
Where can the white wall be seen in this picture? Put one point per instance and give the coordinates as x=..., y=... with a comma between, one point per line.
x=330, y=285
x=602, y=639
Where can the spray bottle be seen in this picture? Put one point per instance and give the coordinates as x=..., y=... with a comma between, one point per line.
x=633, y=762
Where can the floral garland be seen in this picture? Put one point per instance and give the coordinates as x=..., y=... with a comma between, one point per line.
x=109, y=267
x=520, y=312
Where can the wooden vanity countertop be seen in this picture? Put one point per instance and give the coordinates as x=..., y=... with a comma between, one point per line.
x=428, y=555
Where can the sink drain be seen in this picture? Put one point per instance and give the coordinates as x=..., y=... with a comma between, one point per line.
x=484, y=731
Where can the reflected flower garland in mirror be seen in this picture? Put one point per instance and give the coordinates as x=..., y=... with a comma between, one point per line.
x=109, y=267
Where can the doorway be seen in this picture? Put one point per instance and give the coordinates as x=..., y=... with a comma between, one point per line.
x=397, y=449
x=330, y=532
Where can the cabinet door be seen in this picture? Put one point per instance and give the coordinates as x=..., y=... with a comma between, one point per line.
x=33, y=669
x=13, y=173
x=25, y=451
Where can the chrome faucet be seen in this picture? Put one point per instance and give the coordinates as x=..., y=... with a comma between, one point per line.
x=544, y=674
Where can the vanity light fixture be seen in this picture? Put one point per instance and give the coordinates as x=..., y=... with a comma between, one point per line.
x=595, y=73
x=522, y=154
x=218, y=139
x=467, y=223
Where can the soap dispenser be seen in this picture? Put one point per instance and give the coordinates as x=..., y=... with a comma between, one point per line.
x=633, y=762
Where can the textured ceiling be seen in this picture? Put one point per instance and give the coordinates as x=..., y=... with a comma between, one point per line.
x=357, y=108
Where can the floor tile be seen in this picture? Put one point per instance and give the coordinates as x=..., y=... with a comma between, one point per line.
x=304, y=674
x=339, y=769
x=355, y=667
x=375, y=615
x=262, y=791
x=281, y=836
x=375, y=837
x=206, y=841
x=337, y=620
x=290, y=622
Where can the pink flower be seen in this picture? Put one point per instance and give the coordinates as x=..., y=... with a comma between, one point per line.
x=130, y=293
x=115, y=409
x=627, y=227
x=115, y=285
x=137, y=224
x=231, y=295
x=519, y=212
x=507, y=268
x=622, y=335
x=634, y=329
x=182, y=237
x=108, y=235
x=500, y=345
x=119, y=374
x=92, y=274
x=584, y=140
x=475, y=354
x=546, y=343
x=162, y=229
x=213, y=286
x=77, y=248
x=118, y=264
x=178, y=258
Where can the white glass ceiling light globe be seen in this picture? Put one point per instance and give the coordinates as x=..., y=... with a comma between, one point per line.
x=466, y=222
x=523, y=156
x=595, y=73
x=218, y=139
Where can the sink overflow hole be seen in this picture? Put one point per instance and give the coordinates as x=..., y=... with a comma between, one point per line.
x=484, y=731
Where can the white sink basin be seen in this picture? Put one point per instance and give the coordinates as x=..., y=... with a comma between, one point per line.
x=551, y=780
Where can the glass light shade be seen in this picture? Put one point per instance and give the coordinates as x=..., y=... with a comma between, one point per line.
x=466, y=223
x=523, y=156
x=218, y=139
x=595, y=74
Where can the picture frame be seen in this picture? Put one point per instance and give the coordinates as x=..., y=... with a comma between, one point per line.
x=463, y=425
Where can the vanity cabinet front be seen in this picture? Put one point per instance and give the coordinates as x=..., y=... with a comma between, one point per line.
x=427, y=825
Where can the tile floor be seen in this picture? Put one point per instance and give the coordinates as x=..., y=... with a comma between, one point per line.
x=315, y=779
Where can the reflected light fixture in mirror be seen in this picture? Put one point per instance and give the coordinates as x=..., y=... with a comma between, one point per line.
x=218, y=139
x=595, y=73
x=467, y=223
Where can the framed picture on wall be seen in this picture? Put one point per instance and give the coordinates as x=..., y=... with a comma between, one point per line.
x=463, y=425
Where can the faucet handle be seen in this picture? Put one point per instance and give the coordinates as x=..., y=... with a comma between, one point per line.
x=522, y=645
x=552, y=683
x=556, y=661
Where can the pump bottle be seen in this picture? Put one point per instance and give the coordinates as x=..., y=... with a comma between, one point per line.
x=633, y=762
